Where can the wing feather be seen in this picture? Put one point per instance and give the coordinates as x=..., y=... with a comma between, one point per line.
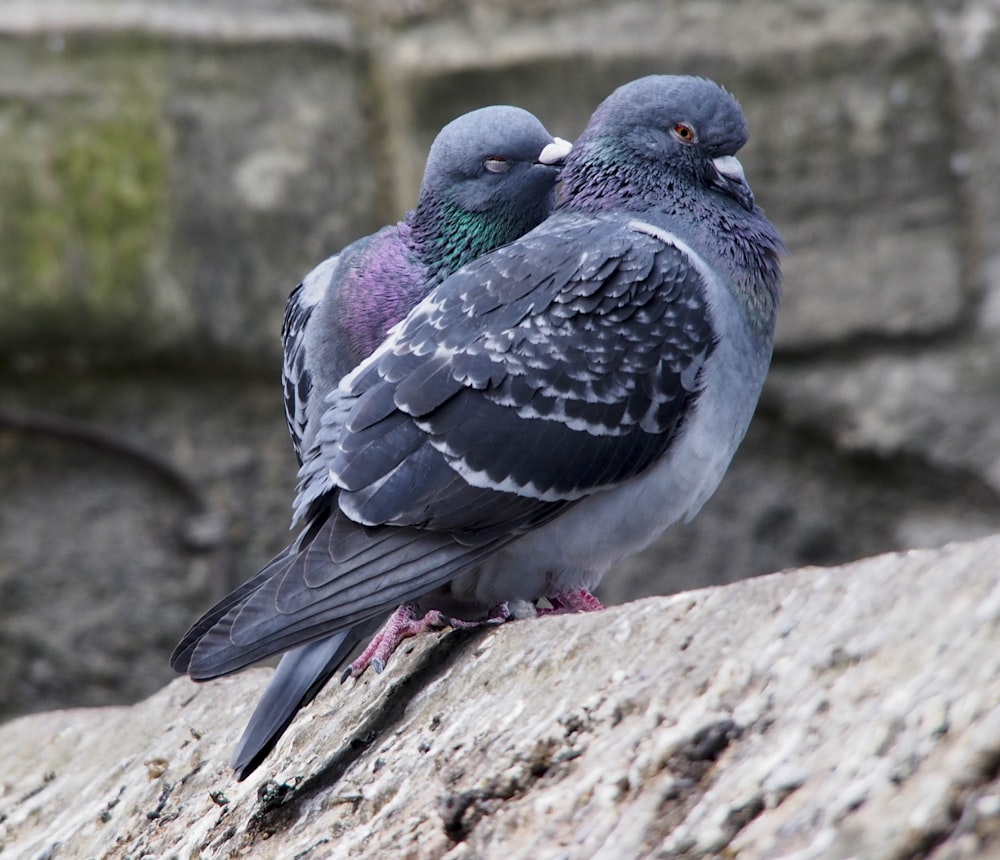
x=574, y=385
x=555, y=367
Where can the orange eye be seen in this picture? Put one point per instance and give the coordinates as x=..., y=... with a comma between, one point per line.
x=684, y=132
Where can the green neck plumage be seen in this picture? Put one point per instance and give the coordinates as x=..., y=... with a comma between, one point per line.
x=446, y=236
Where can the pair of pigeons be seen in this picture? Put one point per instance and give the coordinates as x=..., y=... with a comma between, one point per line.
x=547, y=363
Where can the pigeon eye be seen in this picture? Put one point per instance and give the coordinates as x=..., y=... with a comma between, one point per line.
x=496, y=164
x=684, y=132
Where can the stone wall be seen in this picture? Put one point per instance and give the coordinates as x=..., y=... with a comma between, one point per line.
x=169, y=170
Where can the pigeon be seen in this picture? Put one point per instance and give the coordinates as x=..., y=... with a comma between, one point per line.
x=548, y=409
x=490, y=177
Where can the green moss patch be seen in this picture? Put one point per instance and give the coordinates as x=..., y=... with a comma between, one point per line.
x=83, y=198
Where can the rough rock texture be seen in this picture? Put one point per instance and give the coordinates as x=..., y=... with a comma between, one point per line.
x=820, y=713
x=169, y=169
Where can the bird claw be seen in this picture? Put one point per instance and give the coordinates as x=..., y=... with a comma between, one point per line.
x=574, y=600
x=498, y=615
x=404, y=623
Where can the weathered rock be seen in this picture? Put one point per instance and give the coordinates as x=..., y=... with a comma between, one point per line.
x=938, y=406
x=970, y=41
x=120, y=526
x=845, y=712
x=169, y=172
x=175, y=170
x=789, y=500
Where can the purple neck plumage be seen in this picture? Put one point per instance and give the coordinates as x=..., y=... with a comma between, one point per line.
x=597, y=181
x=386, y=279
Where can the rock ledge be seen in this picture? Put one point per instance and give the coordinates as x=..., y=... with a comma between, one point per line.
x=840, y=712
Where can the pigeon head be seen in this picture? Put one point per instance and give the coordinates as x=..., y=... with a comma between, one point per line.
x=654, y=131
x=490, y=177
x=494, y=156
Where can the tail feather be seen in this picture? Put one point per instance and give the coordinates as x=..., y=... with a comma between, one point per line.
x=254, y=629
x=300, y=675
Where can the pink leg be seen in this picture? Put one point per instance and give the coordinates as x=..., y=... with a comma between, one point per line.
x=574, y=600
x=404, y=623
x=497, y=615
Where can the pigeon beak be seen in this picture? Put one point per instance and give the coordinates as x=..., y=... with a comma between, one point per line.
x=725, y=174
x=555, y=153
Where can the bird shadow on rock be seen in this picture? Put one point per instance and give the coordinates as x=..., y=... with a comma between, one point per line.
x=279, y=804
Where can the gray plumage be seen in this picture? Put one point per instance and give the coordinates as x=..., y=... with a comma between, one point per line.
x=551, y=407
x=490, y=177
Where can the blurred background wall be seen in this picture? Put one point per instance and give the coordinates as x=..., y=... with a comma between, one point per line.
x=169, y=171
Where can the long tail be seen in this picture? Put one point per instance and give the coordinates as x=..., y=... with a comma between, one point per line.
x=301, y=674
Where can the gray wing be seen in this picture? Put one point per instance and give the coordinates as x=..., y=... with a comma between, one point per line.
x=298, y=380
x=555, y=367
x=183, y=653
x=560, y=365
x=336, y=575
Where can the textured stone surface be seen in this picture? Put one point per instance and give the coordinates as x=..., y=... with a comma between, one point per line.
x=237, y=151
x=939, y=405
x=970, y=40
x=169, y=176
x=128, y=534
x=817, y=713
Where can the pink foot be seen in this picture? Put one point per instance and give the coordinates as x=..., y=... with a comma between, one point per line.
x=497, y=615
x=404, y=623
x=574, y=600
